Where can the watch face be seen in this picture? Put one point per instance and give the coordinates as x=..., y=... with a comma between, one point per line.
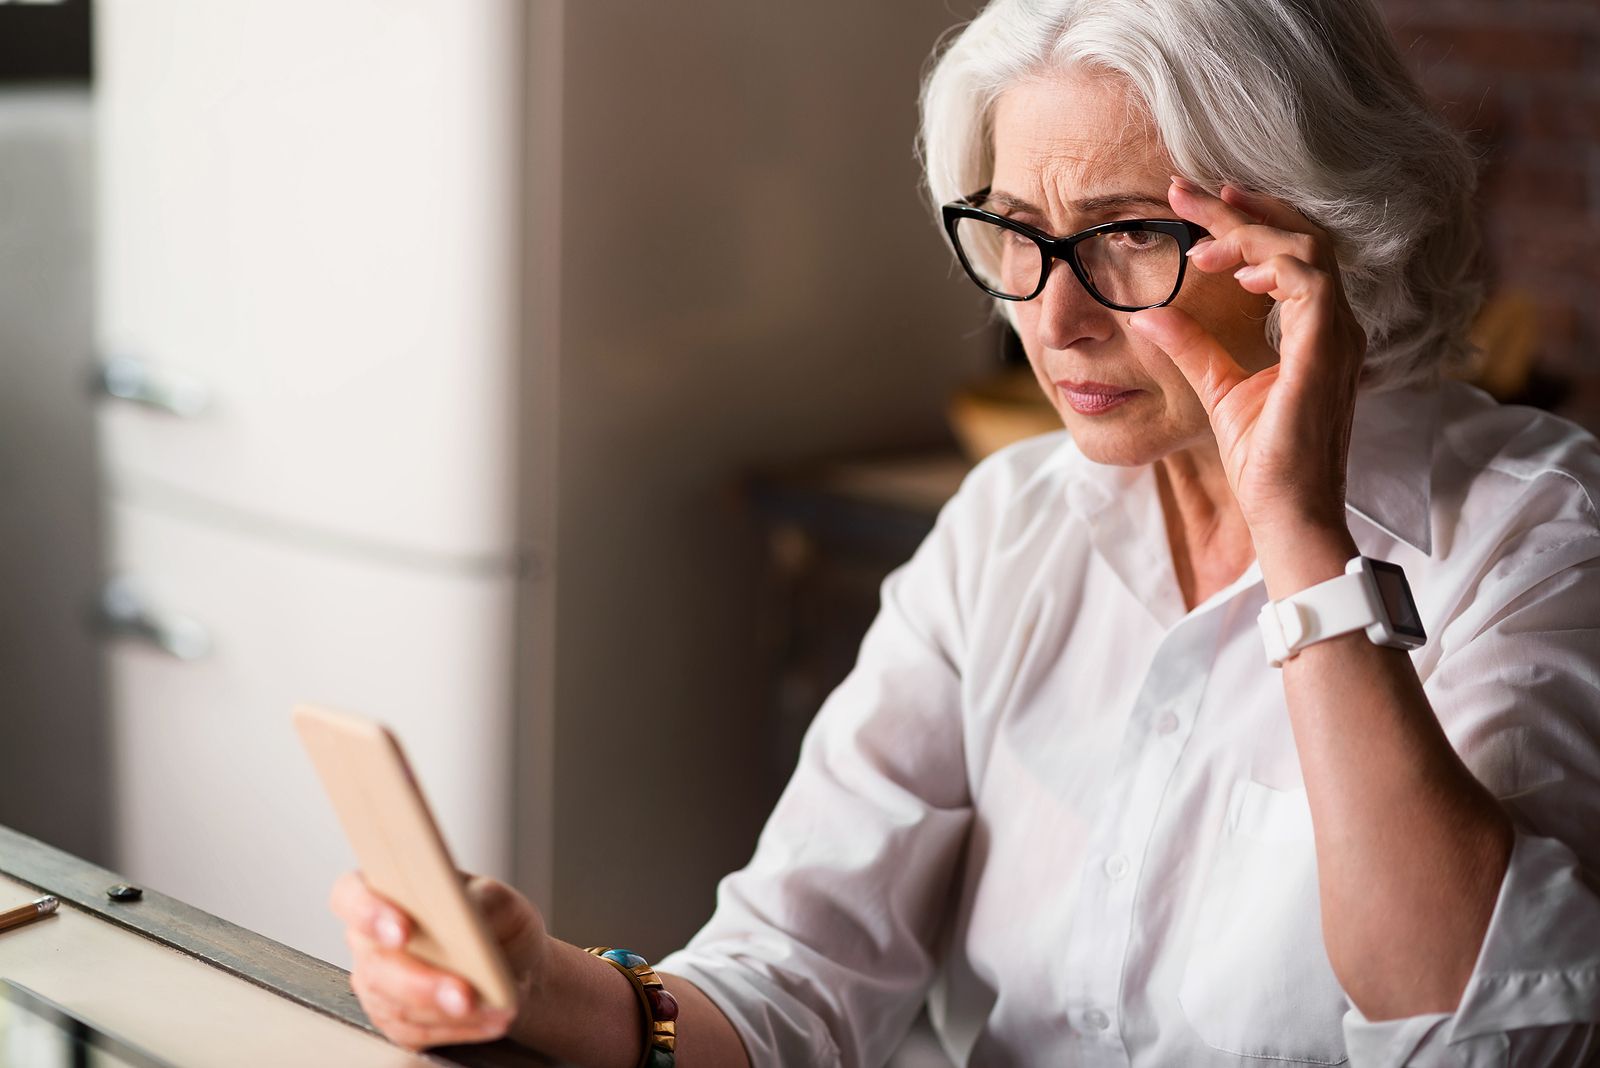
x=1404, y=619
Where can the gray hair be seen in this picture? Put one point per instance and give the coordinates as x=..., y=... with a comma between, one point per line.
x=1305, y=100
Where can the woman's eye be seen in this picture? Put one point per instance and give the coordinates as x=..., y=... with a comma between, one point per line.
x=1138, y=240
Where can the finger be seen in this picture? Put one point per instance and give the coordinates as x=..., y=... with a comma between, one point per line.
x=1199, y=206
x=412, y=1036
x=1211, y=372
x=1254, y=243
x=490, y=894
x=383, y=1006
x=1270, y=210
x=384, y=1011
x=368, y=913
x=388, y=1014
x=1284, y=277
x=1335, y=355
x=360, y=945
x=504, y=909
x=429, y=995
x=1246, y=228
x=417, y=1035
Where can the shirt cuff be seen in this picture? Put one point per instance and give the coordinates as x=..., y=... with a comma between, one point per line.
x=776, y=1027
x=1531, y=970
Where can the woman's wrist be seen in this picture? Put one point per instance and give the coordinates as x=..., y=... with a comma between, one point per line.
x=579, y=1009
x=1298, y=554
x=658, y=1009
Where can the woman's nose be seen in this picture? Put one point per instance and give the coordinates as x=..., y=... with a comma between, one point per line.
x=1067, y=313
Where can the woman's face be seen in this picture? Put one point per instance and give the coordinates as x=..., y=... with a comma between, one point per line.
x=1060, y=144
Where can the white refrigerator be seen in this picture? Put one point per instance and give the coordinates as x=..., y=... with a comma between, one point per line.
x=308, y=273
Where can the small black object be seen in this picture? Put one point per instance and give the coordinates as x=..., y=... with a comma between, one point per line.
x=124, y=892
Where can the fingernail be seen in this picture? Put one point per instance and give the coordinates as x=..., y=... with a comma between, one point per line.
x=389, y=931
x=1243, y=272
x=451, y=1000
x=1200, y=244
x=1183, y=183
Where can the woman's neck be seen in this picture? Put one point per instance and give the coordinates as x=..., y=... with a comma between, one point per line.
x=1206, y=531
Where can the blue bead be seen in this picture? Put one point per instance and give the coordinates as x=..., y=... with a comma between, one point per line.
x=625, y=957
x=660, y=1058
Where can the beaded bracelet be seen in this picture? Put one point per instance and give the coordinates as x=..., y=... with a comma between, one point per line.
x=660, y=1007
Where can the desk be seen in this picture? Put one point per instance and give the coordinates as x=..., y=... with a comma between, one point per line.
x=188, y=986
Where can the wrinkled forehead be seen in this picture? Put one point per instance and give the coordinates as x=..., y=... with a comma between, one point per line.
x=1071, y=135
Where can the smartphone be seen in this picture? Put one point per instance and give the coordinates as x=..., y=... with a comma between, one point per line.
x=399, y=848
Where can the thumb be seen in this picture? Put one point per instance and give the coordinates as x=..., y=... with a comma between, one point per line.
x=1210, y=370
x=512, y=918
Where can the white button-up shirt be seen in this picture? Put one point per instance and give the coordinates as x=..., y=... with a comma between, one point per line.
x=1068, y=812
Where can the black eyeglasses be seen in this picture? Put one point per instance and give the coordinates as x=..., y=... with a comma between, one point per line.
x=1128, y=265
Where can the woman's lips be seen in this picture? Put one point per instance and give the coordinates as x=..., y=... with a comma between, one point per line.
x=1093, y=398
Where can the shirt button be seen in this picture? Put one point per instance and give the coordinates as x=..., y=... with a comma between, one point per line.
x=1116, y=865
x=1167, y=723
x=1096, y=1020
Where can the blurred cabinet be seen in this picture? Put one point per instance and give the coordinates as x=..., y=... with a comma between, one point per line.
x=834, y=530
x=308, y=322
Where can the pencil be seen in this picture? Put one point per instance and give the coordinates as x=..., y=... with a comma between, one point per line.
x=22, y=914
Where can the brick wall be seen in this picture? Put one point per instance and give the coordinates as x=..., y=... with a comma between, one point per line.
x=1522, y=79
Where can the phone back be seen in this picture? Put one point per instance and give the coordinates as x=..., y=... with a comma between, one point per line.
x=398, y=846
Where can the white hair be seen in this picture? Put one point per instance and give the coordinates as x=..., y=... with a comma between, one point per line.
x=1305, y=100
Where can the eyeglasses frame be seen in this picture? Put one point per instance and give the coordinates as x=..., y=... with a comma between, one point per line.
x=1186, y=233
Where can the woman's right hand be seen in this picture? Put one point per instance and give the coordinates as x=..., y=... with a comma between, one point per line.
x=414, y=1003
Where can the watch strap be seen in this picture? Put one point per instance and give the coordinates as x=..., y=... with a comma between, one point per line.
x=1328, y=609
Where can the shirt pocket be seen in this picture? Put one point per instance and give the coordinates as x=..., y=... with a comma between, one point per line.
x=1257, y=982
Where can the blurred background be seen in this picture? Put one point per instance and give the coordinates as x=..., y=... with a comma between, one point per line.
x=554, y=381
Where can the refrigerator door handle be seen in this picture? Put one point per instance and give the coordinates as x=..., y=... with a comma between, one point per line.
x=126, y=612
x=173, y=392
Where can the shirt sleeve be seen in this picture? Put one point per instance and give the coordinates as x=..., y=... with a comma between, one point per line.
x=1520, y=698
x=821, y=949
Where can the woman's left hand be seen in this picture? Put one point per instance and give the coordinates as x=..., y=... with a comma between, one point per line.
x=1283, y=432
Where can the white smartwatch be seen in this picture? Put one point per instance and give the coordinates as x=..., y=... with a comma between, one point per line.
x=1371, y=595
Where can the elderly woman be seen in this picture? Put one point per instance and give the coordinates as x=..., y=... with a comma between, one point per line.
x=1254, y=717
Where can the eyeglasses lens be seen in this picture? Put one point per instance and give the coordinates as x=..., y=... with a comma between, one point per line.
x=1134, y=268
x=1001, y=260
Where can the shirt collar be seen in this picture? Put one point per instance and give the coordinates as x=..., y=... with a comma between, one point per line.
x=1389, y=479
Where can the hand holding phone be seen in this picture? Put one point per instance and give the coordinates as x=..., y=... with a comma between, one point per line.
x=417, y=1004
x=434, y=949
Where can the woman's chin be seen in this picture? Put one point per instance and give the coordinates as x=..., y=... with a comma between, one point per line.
x=1133, y=434
x=1112, y=456
x=1128, y=445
